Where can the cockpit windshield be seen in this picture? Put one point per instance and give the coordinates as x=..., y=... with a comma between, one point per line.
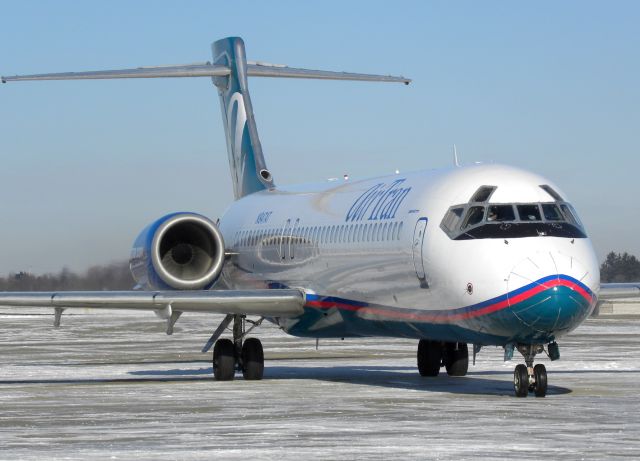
x=511, y=220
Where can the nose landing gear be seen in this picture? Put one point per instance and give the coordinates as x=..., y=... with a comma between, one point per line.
x=527, y=378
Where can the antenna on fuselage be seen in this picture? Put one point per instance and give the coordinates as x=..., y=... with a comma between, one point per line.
x=455, y=157
x=456, y=162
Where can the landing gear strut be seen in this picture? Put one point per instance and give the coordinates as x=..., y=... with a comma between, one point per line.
x=237, y=355
x=527, y=378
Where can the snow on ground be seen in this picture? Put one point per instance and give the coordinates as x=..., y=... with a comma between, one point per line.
x=115, y=386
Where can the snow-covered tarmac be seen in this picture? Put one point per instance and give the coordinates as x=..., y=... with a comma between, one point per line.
x=113, y=385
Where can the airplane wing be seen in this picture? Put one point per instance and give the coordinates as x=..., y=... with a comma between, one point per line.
x=619, y=291
x=265, y=303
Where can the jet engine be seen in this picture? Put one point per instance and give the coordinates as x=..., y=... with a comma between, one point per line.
x=180, y=251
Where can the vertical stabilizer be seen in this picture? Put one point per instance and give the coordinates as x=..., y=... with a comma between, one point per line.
x=248, y=169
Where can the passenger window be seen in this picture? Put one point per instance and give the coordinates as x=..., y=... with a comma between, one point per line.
x=529, y=212
x=399, y=230
x=551, y=212
x=474, y=216
x=501, y=213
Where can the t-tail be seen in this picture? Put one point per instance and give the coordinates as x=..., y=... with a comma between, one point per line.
x=229, y=73
x=249, y=171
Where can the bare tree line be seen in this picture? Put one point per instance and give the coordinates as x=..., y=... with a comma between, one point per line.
x=618, y=267
x=113, y=276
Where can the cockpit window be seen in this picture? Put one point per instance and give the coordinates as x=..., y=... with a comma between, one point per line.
x=483, y=194
x=549, y=190
x=529, y=212
x=571, y=214
x=501, y=213
x=474, y=216
x=506, y=220
x=451, y=220
x=552, y=212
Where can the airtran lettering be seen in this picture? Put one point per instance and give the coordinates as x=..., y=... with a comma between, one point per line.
x=263, y=217
x=379, y=202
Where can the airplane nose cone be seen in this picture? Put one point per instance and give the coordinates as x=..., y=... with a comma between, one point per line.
x=549, y=294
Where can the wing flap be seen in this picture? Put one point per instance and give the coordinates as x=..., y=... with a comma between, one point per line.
x=266, y=303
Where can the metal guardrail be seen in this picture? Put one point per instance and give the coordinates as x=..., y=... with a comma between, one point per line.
x=626, y=307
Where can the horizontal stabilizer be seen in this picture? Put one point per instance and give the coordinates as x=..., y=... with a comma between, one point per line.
x=207, y=70
x=261, y=70
x=266, y=303
x=201, y=70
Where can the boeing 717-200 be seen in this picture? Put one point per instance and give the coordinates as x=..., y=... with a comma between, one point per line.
x=479, y=254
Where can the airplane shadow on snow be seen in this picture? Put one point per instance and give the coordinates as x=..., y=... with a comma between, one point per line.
x=475, y=383
x=396, y=377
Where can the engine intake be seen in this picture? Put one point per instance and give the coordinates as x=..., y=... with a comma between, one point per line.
x=182, y=251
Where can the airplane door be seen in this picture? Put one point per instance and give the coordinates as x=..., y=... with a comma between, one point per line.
x=283, y=243
x=418, y=250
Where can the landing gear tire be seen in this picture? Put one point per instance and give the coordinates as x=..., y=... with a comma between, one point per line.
x=456, y=359
x=540, y=375
x=429, y=357
x=252, y=359
x=521, y=381
x=224, y=360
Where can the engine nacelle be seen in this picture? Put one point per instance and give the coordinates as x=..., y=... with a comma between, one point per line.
x=183, y=251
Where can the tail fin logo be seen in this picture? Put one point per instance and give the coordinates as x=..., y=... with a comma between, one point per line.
x=237, y=126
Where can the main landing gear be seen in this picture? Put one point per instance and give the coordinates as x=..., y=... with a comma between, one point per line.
x=433, y=355
x=241, y=354
x=527, y=378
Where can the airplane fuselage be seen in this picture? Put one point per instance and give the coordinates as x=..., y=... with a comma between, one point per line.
x=375, y=257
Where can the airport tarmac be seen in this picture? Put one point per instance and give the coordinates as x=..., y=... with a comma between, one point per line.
x=113, y=385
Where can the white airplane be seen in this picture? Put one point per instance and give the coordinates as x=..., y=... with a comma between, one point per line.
x=481, y=254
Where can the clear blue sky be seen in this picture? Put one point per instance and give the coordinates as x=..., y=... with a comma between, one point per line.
x=549, y=86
